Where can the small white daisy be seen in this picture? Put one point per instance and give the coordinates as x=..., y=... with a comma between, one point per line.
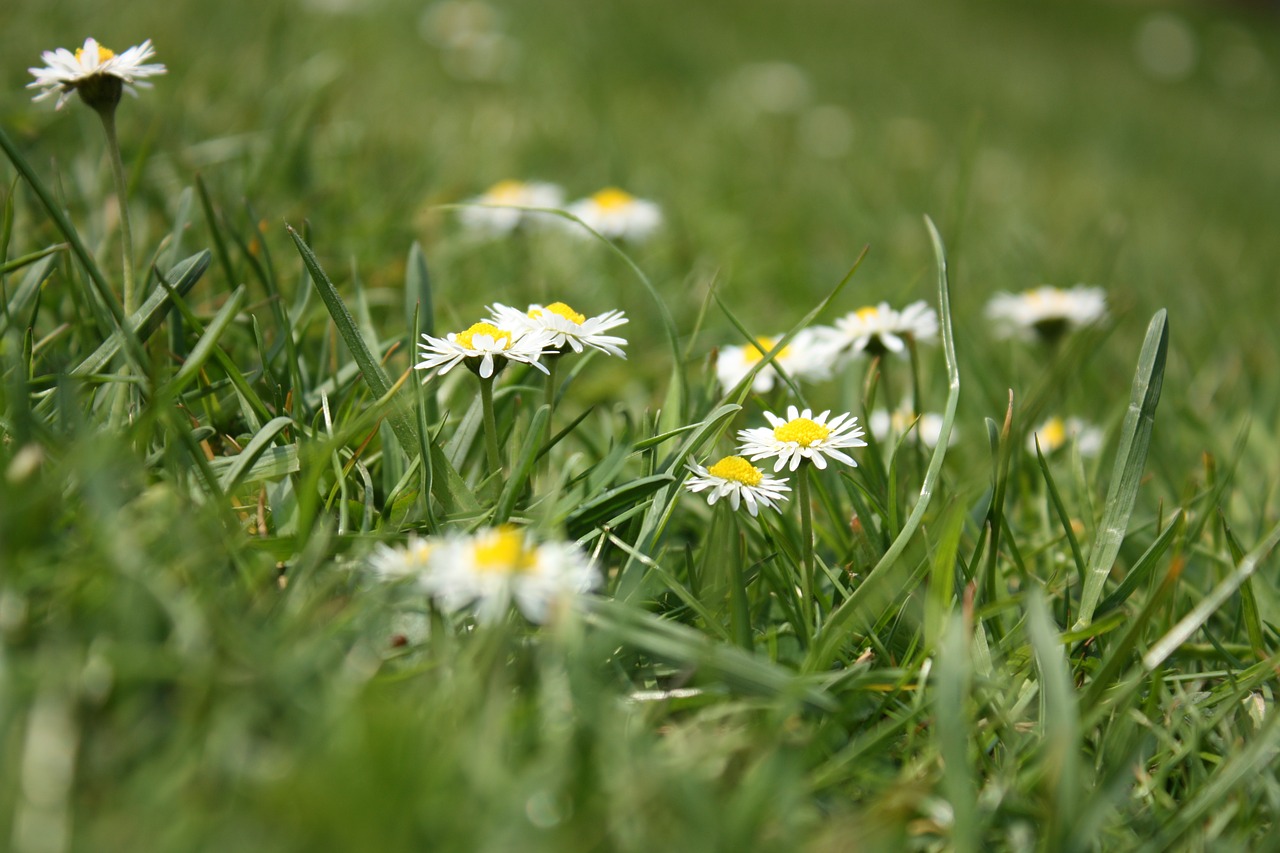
x=493, y=567
x=807, y=357
x=739, y=480
x=617, y=214
x=392, y=563
x=496, y=212
x=96, y=72
x=879, y=329
x=564, y=326
x=927, y=425
x=484, y=347
x=1056, y=433
x=802, y=436
x=1046, y=312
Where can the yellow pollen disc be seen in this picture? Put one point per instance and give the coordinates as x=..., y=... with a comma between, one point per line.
x=562, y=310
x=465, y=338
x=802, y=431
x=103, y=54
x=503, y=551
x=753, y=353
x=506, y=192
x=1053, y=434
x=613, y=198
x=868, y=313
x=737, y=469
x=419, y=553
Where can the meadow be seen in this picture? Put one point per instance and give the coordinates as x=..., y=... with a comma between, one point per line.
x=266, y=586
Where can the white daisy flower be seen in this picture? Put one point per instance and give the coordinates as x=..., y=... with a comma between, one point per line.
x=802, y=436
x=1057, y=432
x=927, y=425
x=497, y=211
x=807, y=357
x=617, y=214
x=493, y=567
x=564, y=326
x=484, y=347
x=879, y=329
x=738, y=480
x=409, y=560
x=1046, y=312
x=96, y=72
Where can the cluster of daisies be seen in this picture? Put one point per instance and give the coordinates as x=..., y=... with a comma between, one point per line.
x=510, y=205
x=529, y=336
x=485, y=572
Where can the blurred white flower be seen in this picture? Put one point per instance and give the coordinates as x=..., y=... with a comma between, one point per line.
x=1057, y=432
x=617, y=214
x=802, y=436
x=927, y=425
x=738, y=480
x=1046, y=312
x=497, y=211
x=491, y=568
x=485, y=348
x=807, y=358
x=879, y=329
x=391, y=563
x=96, y=72
x=564, y=326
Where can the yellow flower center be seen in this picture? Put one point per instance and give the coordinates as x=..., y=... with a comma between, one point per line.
x=506, y=192
x=499, y=335
x=562, y=310
x=1052, y=435
x=802, y=431
x=737, y=469
x=419, y=553
x=752, y=353
x=503, y=551
x=612, y=198
x=869, y=313
x=103, y=54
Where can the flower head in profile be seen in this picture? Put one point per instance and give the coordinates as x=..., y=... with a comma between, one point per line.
x=738, y=480
x=98, y=74
x=564, y=327
x=484, y=348
x=905, y=423
x=493, y=567
x=1046, y=313
x=497, y=211
x=1056, y=433
x=617, y=214
x=392, y=563
x=807, y=357
x=802, y=435
x=880, y=329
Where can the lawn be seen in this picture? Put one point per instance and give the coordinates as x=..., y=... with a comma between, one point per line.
x=265, y=586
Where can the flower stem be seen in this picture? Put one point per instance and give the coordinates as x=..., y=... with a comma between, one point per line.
x=551, y=363
x=807, y=584
x=130, y=294
x=490, y=424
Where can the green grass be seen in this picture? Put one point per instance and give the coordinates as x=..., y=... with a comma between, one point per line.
x=1033, y=652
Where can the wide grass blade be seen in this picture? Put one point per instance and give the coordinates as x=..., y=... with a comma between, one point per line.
x=1131, y=459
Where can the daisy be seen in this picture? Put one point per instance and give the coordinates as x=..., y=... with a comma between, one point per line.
x=491, y=568
x=802, y=436
x=484, y=347
x=739, y=480
x=403, y=561
x=807, y=357
x=617, y=214
x=1057, y=432
x=564, y=327
x=496, y=212
x=98, y=74
x=879, y=329
x=1046, y=312
x=899, y=423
